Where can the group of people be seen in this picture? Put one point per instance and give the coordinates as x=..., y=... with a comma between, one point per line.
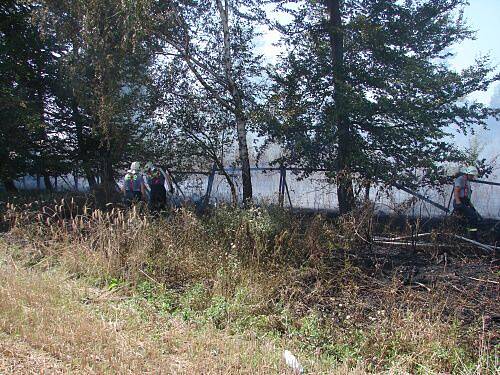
x=149, y=184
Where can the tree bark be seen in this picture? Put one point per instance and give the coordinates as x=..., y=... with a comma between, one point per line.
x=232, y=187
x=238, y=104
x=245, y=161
x=90, y=177
x=345, y=190
x=47, y=182
x=107, y=171
x=83, y=152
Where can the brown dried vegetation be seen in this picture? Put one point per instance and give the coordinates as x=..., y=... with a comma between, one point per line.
x=261, y=280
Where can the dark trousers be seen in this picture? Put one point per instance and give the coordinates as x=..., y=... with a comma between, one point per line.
x=157, y=198
x=468, y=211
x=132, y=197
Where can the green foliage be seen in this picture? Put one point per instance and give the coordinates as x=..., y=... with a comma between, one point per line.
x=370, y=96
x=29, y=128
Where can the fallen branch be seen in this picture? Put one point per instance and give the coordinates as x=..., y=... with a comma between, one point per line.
x=482, y=280
x=478, y=244
x=405, y=237
x=415, y=283
x=427, y=244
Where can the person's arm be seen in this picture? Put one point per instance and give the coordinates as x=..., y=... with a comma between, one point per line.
x=456, y=192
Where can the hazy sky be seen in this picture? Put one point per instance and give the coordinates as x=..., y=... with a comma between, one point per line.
x=484, y=17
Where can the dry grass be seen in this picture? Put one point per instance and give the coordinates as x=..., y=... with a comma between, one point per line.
x=47, y=326
x=226, y=294
x=53, y=324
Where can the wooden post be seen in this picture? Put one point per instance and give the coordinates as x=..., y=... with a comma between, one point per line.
x=210, y=184
x=281, y=193
x=286, y=187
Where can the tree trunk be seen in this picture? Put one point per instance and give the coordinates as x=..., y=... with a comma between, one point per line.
x=107, y=171
x=75, y=180
x=230, y=182
x=238, y=104
x=345, y=190
x=9, y=185
x=245, y=161
x=91, y=179
x=47, y=182
x=83, y=153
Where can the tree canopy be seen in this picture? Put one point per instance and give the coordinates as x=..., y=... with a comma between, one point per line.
x=362, y=89
x=366, y=92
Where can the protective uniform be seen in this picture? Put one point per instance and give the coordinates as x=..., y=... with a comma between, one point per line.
x=465, y=207
x=158, y=193
x=132, y=185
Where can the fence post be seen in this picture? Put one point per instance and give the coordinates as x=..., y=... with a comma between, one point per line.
x=281, y=193
x=209, y=186
x=287, y=191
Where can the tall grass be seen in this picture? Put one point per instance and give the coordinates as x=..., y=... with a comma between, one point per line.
x=262, y=272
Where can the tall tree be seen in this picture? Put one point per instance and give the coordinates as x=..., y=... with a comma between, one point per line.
x=216, y=44
x=31, y=141
x=107, y=62
x=193, y=131
x=365, y=90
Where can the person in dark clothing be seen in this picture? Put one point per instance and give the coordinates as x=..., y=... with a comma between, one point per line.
x=156, y=179
x=462, y=193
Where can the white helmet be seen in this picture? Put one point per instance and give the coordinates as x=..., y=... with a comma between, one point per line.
x=453, y=170
x=135, y=166
x=149, y=165
x=471, y=170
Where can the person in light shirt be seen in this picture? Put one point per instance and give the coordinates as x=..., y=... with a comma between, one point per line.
x=462, y=193
x=133, y=187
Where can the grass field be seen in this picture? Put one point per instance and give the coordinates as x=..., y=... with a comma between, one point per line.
x=89, y=291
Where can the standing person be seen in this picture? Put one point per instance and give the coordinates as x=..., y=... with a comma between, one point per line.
x=156, y=179
x=133, y=184
x=462, y=193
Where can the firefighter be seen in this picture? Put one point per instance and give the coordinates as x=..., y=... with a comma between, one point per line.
x=462, y=193
x=133, y=187
x=156, y=179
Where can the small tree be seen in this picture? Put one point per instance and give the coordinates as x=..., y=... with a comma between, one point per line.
x=106, y=60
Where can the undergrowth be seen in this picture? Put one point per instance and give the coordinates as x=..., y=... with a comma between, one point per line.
x=261, y=272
